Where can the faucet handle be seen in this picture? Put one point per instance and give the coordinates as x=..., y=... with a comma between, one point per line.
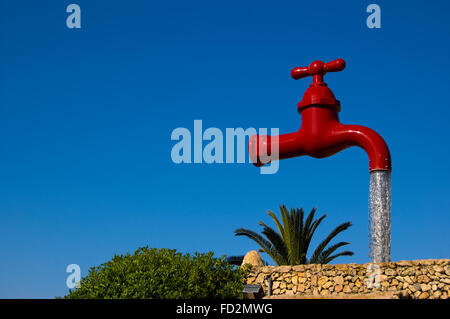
x=317, y=70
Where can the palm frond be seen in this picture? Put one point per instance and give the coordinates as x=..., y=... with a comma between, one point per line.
x=327, y=240
x=267, y=247
x=326, y=253
x=307, y=232
x=277, y=242
x=285, y=220
x=344, y=253
x=277, y=222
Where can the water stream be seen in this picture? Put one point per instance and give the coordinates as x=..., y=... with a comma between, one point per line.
x=380, y=216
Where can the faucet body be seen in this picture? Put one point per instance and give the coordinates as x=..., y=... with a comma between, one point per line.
x=321, y=134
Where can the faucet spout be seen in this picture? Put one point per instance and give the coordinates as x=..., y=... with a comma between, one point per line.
x=321, y=135
x=369, y=140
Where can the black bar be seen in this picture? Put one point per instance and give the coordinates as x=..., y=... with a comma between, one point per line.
x=262, y=308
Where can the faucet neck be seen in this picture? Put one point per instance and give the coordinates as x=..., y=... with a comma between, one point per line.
x=318, y=118
x=319, y=95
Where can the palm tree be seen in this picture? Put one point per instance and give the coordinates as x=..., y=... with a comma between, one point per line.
x=290, y=246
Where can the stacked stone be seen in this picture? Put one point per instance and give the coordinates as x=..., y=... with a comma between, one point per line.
x=422, y=279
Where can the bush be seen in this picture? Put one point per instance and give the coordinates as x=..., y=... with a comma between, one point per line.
x=162, y=273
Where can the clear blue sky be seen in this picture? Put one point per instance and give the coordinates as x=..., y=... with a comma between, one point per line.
x=86, y=117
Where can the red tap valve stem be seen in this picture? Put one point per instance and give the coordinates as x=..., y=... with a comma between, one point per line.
x=318, y=92
x=317, y=70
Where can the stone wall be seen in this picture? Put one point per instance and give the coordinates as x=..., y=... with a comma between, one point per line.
x=422, y=279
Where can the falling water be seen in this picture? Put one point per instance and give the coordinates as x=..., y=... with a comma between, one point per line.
x=380, y=216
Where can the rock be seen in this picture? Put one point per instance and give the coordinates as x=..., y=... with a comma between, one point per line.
x=322, y=280
x=327, y=285
x=424, y=295
x=298, y=268
x=317, y=267
x=447, y=270
x=408, y=272
x=253, y=258
x=404, y=263
x=341, y=267
x=338, y=288
x=423, y=279
x=408, y=280
x=283, y=269
x=324, y=292
x=390, y=272
x=275, y=284
x=426, y=262
x=425, y=287
x=260, y=278
x=330, y=273
x=347, y=289
x=400, y=278
x=314, y=280
x=339, y=280
x=266, y=269
x=417, y=287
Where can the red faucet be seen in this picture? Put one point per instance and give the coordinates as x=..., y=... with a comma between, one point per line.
x=321, y=134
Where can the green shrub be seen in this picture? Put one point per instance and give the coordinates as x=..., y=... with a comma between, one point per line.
x=162, y=273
